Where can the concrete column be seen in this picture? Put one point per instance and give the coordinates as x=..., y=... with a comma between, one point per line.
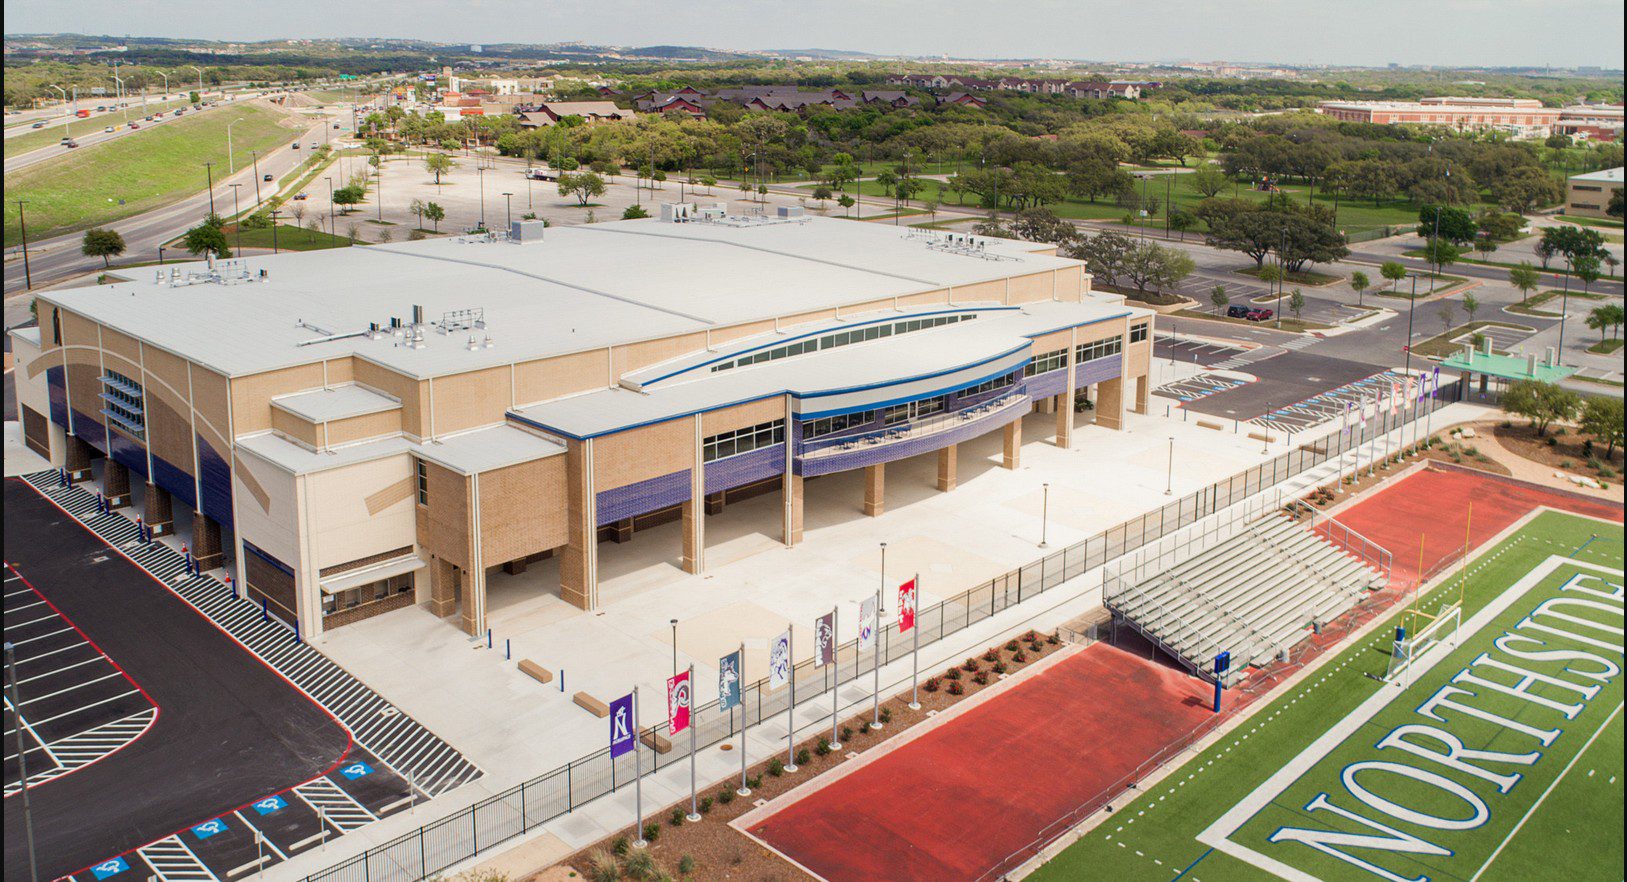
x=947, y=462
x=875, y=489
x=579, y=563
x=1110, y=403
x=714, y=503
x=1143, y=393
x=792, y=530
x=1046, y=404
x=116, y=483
x=694, y=535
x=1012, y=455
x=159, y=515
x=516, y=567
x=1064, y=420
x=78, y=459
x=206, y=541
x=474, y=602
x=443, y=588
x=621, y=531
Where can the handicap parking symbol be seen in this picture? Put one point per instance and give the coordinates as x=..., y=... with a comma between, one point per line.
x=270, y=804
x=209, y=828
x=356, y=770
x=113, y=867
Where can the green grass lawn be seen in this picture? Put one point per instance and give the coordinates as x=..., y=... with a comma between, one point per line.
x=17, y=145
x=1604, y=222
x=288, y=238
x=1433, y=283
x=1302, y=277
x=1442, y=345
x=1606, y=347
x=1557, y=270
x=1533, y=304
x=1152, y=833
x=128, y=176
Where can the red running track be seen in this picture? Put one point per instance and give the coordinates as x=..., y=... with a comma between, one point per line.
x=1435, y=504
x=959, y=799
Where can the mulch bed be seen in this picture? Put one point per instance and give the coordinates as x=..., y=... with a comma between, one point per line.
x=718, y=851
x=1566, y=453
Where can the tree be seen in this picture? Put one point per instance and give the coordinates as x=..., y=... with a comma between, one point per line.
x=438, y=164
x=1614, y=208
x=1271, y=274
x=1441, y=254
x=1359, y=283
x=1605, y=318
x=1526, y=188
x=1104, y=254
x=846, y=201
x=106, y=244
x=435, y=213
x=1541, y=403
x=1393, y=272
x=416, y=206
x=1448, y=314
x=347, y=196
x=1485, y=245
x=1207, y=180
x=207, y=238
x=821, y=194
x=1586, y=268
x=1042, y=225
x=1471, y=304
x=1525, y=278
x=1218, y=296
x=1150, y=264
x=1296, y=302
x=1449, y=223
x=582, y=185
x=1181, y=220
x=1602, y=418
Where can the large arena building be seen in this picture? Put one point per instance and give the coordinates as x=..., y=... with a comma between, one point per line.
x=367, y=428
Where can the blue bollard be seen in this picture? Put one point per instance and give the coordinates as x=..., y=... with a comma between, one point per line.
x=265, y=611
x=296, y=632
x=488, y=638
x=561, y=679
x=508, y=649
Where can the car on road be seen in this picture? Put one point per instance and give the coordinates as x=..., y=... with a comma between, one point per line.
x=41, y=125
x=301, y=196
x=296, y=145
x=268, y=177
x=149, y=119
x=1259, y=315
x=1237, y=312
x=135, y=125
x=65, y=139
x=72, y=144
x=107, y=130
x=315, y=144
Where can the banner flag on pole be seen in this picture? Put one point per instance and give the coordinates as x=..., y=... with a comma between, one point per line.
x=906, y=606
x=621, y=725
x=779, y=660
x=1395, y=397
x=867, y=623
x=678, y=694
x=728, y=681
x=825, y=639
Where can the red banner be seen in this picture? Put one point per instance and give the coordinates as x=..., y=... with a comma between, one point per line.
x=906, y=606
x=678, y=693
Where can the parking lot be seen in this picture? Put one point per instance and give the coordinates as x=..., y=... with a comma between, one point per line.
x=1503, y=339
x=238, y=771
x=77, y=705
x=1291, y=390
x=1194, y=351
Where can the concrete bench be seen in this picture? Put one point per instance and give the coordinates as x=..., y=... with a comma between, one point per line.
x=658, y=743
x=1258, y=436
x=536, y=672
x=592, y=705
x=1205, y=424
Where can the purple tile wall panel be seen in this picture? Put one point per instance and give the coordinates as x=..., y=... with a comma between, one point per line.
x=879, y=453
x=127, y=452
x=215, y=476
x=177, y=481
x=642, y=497
x=1047, y=384
x=735, y=471
x=56, y=382
x=1097, y=370
x=90, y=431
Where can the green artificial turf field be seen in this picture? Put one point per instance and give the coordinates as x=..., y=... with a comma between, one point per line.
x=1394, y=812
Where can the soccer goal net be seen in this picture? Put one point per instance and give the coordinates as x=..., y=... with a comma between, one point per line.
x=1420, y=633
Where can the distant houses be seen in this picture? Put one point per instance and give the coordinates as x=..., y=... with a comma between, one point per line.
x=1130, y=90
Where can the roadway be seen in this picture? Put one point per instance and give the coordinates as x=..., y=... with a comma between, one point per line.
x=57, y=258
x=1476, y=271
x=95, y=132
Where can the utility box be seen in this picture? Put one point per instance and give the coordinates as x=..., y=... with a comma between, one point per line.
x=527, y=230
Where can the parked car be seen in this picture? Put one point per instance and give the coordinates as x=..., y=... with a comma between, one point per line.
x=336, y=125
x=1259, y=315
x=1237, y=311
x=65, y=139
x=296, y=145
x=301, y=196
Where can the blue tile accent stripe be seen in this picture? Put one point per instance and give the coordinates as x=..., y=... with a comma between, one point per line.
x=1097, y=370
x=216, y=478
x=746, y=468
x=880, y=453
x=642, y=497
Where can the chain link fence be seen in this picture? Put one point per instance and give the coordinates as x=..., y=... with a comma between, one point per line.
x=438, y=845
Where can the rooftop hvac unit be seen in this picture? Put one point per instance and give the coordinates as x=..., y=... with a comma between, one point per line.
x=527, y=230
x=790, y=211
x=676, y=212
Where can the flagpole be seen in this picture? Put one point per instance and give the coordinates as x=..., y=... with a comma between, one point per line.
x=791, y=706
x=638, y=781
x=744, y=790
x=915, y=649
x=875, y=665
x=836, y=675
x=694, y=801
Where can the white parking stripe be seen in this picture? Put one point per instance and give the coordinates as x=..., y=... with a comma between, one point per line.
x=79, y=685
x=41, y=637
x=87, y=661
x=14, y=610
x=88, y=707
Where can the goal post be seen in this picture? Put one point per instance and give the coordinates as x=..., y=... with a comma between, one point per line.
x=1413, y=639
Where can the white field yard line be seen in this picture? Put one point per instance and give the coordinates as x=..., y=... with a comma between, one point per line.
x=1217, y=834
x=1538, y=804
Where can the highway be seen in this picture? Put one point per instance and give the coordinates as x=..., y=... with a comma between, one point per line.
x=57, y=258
x=22, y=123
x=92, y=131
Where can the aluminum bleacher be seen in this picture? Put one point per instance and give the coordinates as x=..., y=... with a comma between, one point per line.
x=1254, y=587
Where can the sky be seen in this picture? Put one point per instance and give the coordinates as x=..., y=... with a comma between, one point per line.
x=1501, y=33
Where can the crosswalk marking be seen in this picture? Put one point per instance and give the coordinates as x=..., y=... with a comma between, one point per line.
x=172, y=861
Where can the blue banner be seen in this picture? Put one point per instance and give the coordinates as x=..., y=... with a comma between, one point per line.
x=621, y=725
x=728, y=681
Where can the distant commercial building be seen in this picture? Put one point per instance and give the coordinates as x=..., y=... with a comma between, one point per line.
x=1519, y=117
x=365, y=429
x=1589, y=195
x=1591, y=122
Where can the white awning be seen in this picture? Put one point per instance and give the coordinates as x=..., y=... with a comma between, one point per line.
x=372, y=573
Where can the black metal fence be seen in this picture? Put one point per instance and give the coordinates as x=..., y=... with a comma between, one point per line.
x=440, y=844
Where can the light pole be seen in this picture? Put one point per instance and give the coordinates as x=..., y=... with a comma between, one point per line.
x=254, y=157
x=22, y=761
x=1169, y=474
x=1265, y=437
x=881, y=601
x=166, y=84
x=1044, y=514
x=274, y=221
x=378, y=192
x=209, y=169
x=674, y=623
x=1282, y=274
x=480, y=172
x=67, y=114
x=200, y=81
x=329, y=179
x=508, y=209
x=231, y=162
x=22, y=226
